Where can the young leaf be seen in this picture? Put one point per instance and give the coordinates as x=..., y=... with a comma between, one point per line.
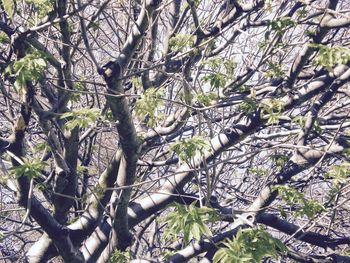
x=80, y=118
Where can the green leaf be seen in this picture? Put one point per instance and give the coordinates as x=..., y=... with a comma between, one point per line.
x=42, y=7
x=275, y=70
x=120, y=256
x=147, y=105
x=187, y=148
x=249, y=245
x=28, y=68
x=306, y=207
x=206, y=98
x=271, y=109
x=81, y=118
x=329, y=57
x=189, y=220
x=4, y=38
x=339, y=173
x=179, y=42
x=281, y=24
x=9, y=6
x=31, y=168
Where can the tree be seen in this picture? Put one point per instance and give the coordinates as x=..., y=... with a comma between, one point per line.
x=174, y=130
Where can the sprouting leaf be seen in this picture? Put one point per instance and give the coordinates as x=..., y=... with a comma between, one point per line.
x=148, y=104
x=220, y=70
x=180, y=42
x=4, y=38
x=275, y=70
x=28, y=68
x=248, y=105
x=305, y=207
x=339, y=173
x=191, y=221
x=9, y=6
x=281, y=24
x=271, y=110
x=249, y=245
x=77, y=86
x=80, y=118
x=31, y=168
x=187, y=148
x=331, y=56
x=206, y=98
x=42, y=7
x=119, y=256
x=280, y=160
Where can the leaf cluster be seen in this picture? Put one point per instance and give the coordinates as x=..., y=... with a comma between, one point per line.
x=81, y=118
x=28, y=68
x=339, y=173
x=275, y=70
x=248, y=105
x=329, y=57
x=281, y=24
x=272, y=109
x=249, y=245
x=41, y=6
x=187, y=148
x=119, y=256
x=222, y=70
x=148, y=103
x=307, y=207
x=31, y=168
x=189, y=220
x=180, y=42
x=206, y=98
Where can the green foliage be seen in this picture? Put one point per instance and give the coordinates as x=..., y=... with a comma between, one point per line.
x=82, y=169
x=77, y=86
x=216, y=80
x=331, y=56
x=31, y=168
x=306, y=207
x=80, y=118
x=310, y=208
x=28, y=68
x=281, y=24
x=271, y=110
x=333, y=192
x=187, y=148
x=248, y=105
x=120, y=257
x=41, y=186
x=258, y=171
x=339, y=173
x=41, y=6
x=189, y=220
x=302, y=13
x=249, y=245
x=180, y=42
x=39, y=147
x=268, y=5
x=136, y=82
x=9, y=7
x=148, y=103
x=108, y=115
x=275, y=70
x=301, y=120
x=289, y=194
x=219, y=76
x=4, y=38
x=280, y=160
x=206, y=98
